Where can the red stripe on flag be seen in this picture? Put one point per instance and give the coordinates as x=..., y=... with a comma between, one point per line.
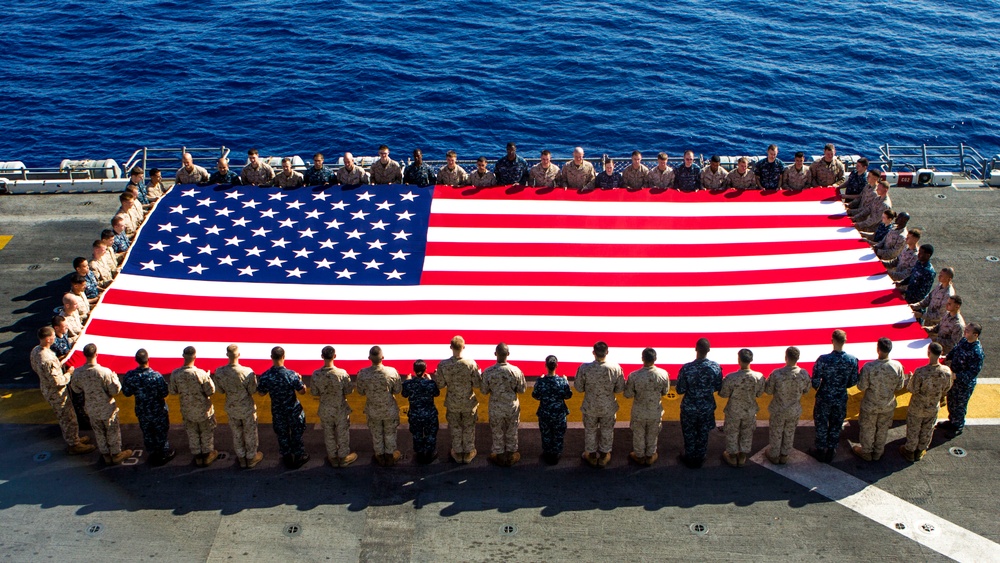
x=641, y=250
x=665, y=280
x=738, y=305
x=560, y=194
x=642, y=223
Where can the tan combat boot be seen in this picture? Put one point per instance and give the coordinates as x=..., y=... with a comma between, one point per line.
x=210, y=457
x=121, y=456
x=80, y=448
x=253, y=461
x=349, y=459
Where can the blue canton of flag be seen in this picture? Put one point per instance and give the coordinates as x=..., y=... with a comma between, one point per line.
x=373, y=235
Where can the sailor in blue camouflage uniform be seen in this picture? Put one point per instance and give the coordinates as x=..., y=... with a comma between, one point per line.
x=856, y=182
x=698, y=381
x=769, y=170
x=551, y=391
x=422, y=415
x=511, y=169
x=135, y=179
x=150, y=390
x=82, y=267
x=224, y=175
x=833, y=374
x=922, y=277
x=319, y=175
x=60, y=346
x=687, y=177
x=418, y=173
x=287, y=417
x=965, y=361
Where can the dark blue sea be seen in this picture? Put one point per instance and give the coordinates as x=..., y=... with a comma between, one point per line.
x=100, y=79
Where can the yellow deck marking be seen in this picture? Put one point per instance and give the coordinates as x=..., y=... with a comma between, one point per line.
x=4, y=239
x=26, y=406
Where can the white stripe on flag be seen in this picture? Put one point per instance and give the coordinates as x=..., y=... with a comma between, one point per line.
x=635, y=208
x=637, y=236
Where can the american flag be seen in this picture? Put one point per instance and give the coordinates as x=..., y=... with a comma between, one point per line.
x=548, y=271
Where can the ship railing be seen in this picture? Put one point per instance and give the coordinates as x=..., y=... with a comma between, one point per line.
x=960, y=158
x=169, y=159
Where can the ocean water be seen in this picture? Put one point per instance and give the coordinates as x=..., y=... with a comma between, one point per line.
x=102, y=78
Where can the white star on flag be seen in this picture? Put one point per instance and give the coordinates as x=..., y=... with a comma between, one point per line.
x=335, y=224
x=260, y=232
x=228, y=260
x=321, y=196
x=380, y=224
x=179, y=257
x=303, y=253
x=185, y=238
x=280, y=242
x=287, y=223
x=196, y=269
x=233, y=195
x=251, y=203
x=324, y=263
x=196, y=220
x=340, y=205
x=158, y=245
x=189, y=193
x=150, y=265
x=248, y=271
x=351, y=254
x=360, y=215
x=385, y=205
x=224, y=211
x=377, y=244
x=235, y=241
x=372, y=264
x=276, y=262
x=354, y=234
x=207, y=249
x=307, y=233
x=294, y=204
x=405, y=216
x=327, y=244
x=270, y=213
x=213, y=230
x=314, y=214
x=207, y=202
x=178, y=209
x=399, y=255
x=254, y=251
x=169, y=227
x=241, y=222
x=408, y=196
x=393, y=275
x=296, y=272
x=278, y=196
x=401, y=235
x=345, y=273
x=365, y=196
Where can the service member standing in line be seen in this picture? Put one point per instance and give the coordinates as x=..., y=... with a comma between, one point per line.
x=54, y=383
x=646, y=387
x=502, y=382
x=698, y=381
x=239, y=383
x=929, y=385
x=150, y=390
x=379, y=383
x=196, y=388
x=966, y=361
x=551, y=391
x=460, y=375
x=422, y=416
x=99, y=386
x=599, y=381
x=879, y=379
x=833, y=374
x=786, y=386
x=741, y=387
x=332, y=385
x=287, y=417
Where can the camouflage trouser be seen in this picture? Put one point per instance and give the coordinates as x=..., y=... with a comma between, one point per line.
x=383, y=434
x=462, y=425
x=781, y=433
x=154, y=432
x=245, y=439
x=958, y=402
x=919, y=430
x=201, y=435
x=553, y=432
x=645, y=434
x=108, y=435
x=337, y=434
x=424, y=432
x=829, y=420
x=874, y=431
x=739, y=433
x=695, y=425
x=598, y=433
x=504, y=429
x=288, y=427
x=61, y=403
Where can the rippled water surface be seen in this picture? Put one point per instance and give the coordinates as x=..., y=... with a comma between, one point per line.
x=100, y=79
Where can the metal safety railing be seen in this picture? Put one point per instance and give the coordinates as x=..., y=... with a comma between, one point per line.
x=960, y=158
x=170, y=158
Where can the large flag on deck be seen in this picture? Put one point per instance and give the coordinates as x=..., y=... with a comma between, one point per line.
x=546, y=271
